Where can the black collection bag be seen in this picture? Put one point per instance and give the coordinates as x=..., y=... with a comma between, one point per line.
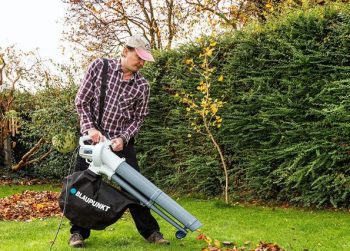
x=89, y=202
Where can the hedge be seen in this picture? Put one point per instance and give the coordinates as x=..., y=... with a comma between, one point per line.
x=286, y=119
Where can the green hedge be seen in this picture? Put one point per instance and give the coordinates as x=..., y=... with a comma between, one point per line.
x=286, y=121
x=291, y=112
x=285, y=128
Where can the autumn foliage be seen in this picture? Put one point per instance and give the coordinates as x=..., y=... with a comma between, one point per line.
x=202, y=108
x=29, y=205
x=217, y=245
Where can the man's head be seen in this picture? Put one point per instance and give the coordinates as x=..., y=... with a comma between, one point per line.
x=135, y=52
x=141, y=46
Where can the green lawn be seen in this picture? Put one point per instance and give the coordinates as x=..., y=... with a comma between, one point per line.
x=292, y=229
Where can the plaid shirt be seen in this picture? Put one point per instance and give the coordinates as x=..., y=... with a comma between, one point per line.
x=126, y=102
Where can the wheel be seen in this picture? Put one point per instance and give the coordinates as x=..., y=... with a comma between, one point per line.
x=180, y=234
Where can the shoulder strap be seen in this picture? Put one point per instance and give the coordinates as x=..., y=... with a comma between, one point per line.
x=103, y=90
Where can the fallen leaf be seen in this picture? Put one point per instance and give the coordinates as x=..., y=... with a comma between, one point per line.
x=30, y=205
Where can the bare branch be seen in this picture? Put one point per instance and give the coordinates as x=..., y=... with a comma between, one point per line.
x=37, y=159
x=2, y=66
x=28, y=155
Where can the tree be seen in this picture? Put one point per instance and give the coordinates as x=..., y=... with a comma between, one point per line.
x=16, y=68
x=26, y=74
x=101, y=25
x=53, y=121
x=202, y=109
x=233, y=14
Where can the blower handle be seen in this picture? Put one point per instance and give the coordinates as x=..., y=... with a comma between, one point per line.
x=84, y=138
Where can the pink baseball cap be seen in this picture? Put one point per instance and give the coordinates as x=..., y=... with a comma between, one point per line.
x=142, y=47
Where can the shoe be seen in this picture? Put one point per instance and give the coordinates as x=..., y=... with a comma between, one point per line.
x=76, y=240
x=157, y=238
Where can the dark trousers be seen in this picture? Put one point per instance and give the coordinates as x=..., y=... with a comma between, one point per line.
x=145, y=223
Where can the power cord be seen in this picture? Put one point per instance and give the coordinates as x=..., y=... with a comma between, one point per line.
x=72, y=163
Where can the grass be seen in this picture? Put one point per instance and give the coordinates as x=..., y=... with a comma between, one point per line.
x=292, y=229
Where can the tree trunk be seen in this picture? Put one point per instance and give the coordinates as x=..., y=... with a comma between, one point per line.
x=7, y=151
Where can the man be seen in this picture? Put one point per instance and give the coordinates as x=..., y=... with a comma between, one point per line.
x=125, y=107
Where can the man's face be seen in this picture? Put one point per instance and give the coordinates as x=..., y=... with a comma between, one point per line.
x=132, y=61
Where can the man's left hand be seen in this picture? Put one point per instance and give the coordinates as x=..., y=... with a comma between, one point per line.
x=117, y=144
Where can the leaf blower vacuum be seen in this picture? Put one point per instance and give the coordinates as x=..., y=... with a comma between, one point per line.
x=80, y=185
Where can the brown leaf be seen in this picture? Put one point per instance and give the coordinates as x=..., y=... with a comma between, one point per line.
x=268, y=247
x=29, y=205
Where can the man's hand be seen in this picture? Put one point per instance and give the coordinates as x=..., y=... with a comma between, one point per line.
x=95, y=135
x=117, y=144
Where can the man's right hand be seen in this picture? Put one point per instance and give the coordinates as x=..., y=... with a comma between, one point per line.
x=95, y=135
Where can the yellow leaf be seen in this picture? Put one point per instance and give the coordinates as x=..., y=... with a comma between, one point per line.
x=208, y=51
x=40, y=206
x=269, y=6
x=208, y=240
x=214, y=109
x=220, y=78
x=189, y=61
x=213, y=43
x=189, y=135
x=217, y=243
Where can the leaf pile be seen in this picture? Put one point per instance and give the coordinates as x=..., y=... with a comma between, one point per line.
x=230, y=246
x=29, y=205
